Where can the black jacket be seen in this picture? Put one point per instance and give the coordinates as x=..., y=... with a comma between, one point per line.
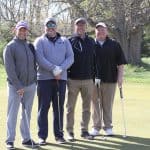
x=108, y=57
x=83, y=66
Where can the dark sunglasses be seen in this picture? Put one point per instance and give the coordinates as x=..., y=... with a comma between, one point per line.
x=50, y=25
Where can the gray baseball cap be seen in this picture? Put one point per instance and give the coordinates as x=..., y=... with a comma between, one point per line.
x=50, y=20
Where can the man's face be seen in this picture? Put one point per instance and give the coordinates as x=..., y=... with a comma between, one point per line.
x=50, y=29
x=22, y=33
x=101, y=33
x=80, y=28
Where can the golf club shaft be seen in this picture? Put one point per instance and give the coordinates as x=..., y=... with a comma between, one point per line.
x=99, y=102
x=123, y=113
x=58, y=100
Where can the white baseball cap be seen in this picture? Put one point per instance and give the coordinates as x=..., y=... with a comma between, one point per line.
x=102, y=24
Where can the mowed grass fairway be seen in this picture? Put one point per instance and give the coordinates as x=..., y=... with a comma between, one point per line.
x=137, y=113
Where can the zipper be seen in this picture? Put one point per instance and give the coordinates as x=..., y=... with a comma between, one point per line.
x=80, y=46
x=27, y=63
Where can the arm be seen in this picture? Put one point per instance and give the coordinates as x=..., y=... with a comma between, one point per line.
x=120, y=75
x=9, y=63
x=69, y=56
x=97, y=80
x=121, y=61
x=42, y=62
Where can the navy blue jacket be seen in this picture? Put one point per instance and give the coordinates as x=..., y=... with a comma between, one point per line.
x=83, y=66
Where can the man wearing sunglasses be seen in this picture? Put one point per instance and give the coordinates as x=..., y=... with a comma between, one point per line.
x=54, y=56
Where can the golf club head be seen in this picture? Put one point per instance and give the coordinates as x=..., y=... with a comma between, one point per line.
x=104, y=138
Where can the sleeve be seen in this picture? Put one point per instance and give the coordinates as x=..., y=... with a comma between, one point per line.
x=95, y=68
x=69, y=56
x=41, y=60
x=96, y=63
x=9, y=62
x=120, y=58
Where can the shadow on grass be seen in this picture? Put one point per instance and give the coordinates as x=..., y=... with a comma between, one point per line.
x=20, y=149
x=110, y=143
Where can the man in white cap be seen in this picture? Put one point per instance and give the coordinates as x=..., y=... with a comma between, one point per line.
x=54, y=56
x=110, y=61
x=21, y=76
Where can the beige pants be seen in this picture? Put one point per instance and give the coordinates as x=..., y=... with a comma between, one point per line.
x=85, y=87
x=102, y=112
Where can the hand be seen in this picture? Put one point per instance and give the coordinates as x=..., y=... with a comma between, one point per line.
x=57, y=77
x=120, y=81
x=57, y=71
x=97, y=82
x=20, y=92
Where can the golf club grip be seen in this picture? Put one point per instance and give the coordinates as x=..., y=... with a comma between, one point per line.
x=23, y=105
x=97, y=91
x=121, y=94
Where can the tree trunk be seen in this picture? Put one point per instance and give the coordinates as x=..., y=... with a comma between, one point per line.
x=134, y=51
x=131, y=44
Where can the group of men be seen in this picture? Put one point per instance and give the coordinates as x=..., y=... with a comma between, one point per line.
x=91, y=67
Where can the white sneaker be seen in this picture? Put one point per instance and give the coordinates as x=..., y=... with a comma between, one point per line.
x=42, y=141
x=94, y=132
x=70, y=136
x=109, y=132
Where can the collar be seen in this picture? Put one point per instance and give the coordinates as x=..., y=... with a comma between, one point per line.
x=53, y=39
x=75, y=35
x=19, y=40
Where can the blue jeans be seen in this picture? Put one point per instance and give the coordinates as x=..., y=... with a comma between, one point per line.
x=14, y=101
x=48, y=91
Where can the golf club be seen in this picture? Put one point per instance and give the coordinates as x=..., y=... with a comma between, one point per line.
x=58, y=100
x=99, y=101
x=123, y=114
x=27, y=121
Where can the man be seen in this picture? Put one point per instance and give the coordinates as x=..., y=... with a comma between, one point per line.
x=54, y=56
x=110, y=62
x=80, y=76
x=21, y=76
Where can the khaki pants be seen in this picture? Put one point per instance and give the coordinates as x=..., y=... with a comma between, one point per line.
x=85, y=87
x=102, y=112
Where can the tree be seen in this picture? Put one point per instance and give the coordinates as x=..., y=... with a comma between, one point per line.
x=125, y=18
x=129, y=20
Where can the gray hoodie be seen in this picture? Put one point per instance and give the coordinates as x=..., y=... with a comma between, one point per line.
x=19, y=63
x=51, y=54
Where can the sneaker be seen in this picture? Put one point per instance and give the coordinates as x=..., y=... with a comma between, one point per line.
x=42, y=142
x=94, y=132
x=10, y=145
x=109, y=132
x=60, y=140
x=30, y=144
x=86, y=135
x=70, y=136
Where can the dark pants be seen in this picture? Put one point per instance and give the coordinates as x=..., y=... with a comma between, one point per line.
x=50, y=91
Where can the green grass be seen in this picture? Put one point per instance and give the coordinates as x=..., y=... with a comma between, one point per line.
x=133, y=74
x=137, y=112
x=2, y=77
x=138, y=74
x=136, y=101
